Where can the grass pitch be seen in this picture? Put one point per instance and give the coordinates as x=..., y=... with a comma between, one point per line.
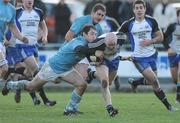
x=134, y=108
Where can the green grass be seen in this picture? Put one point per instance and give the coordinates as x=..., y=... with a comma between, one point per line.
x=134, y=108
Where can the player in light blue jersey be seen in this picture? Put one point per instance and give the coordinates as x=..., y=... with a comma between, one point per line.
x=97, y=15
x=7, y=19
x=60, y=66
x=29, y=20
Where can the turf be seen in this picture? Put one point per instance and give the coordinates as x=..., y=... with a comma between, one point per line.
x=134, y=108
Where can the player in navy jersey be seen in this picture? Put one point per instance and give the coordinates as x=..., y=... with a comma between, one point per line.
x=172, y=44
x=109, y=44
x=143, y=32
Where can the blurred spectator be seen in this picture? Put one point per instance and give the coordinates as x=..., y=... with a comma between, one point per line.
x=125, y=11
x=112, y=7
x=149, y=9
x=62, y=18
x=165, y=14
x=41, y=5
x=90, y=5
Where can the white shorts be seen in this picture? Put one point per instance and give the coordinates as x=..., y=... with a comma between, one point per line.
x=3, y=60
x=47, y=74
x=84, y=61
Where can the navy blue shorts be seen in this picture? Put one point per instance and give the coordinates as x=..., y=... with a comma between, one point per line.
x=13, y=55
x=27, y=50
x=144, y=62
x=113, y=64
x=174, y=60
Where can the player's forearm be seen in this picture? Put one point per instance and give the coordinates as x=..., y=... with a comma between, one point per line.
x=44, y=28
x=82, y=50
x=69, y=35
x=158, y=37
x=15, y=32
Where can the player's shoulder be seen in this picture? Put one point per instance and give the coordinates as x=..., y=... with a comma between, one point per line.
x=38, y=9
x=148, y=17
x=96, y=43
x=128, y=22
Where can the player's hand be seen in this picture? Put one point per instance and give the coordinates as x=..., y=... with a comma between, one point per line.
x=123, y=58
x=146, y=42
x=44, y=40
x=99, y=54
x=25, y=40
x=6, y=43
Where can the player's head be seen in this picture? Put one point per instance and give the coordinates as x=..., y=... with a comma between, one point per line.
x=28, y=3
x=89, y=33
x=98, y=12
x=110, y=40
x=139, y=9
x=6, y=1
x=18, y=3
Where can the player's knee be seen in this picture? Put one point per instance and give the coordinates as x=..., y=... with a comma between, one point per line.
x=83, y=85
x=4, y=71
x=104, y=83
x=155, y=82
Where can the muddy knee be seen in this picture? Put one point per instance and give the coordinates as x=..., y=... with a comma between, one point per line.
x=104, y=83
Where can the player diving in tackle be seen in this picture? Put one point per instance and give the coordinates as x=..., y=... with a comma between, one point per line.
x=60, y=66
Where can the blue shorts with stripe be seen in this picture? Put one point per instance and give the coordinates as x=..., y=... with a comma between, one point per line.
x=113, y=64
x=13, y=55
x=174, y=60
x=27, y=50
x=142, y=63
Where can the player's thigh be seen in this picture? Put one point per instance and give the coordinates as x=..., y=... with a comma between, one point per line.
x=174, y=73
x=31, y=63
x=82, y=69
x=150, y=76
x=102, y=72
x=112, y=76
x=178, y=72
x=3, y=61
x=74, y=78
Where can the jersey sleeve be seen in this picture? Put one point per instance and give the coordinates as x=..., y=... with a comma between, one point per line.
x=168, y=35
x=124, y=27
x=77, y=25
x=155, y=26
x=41, y=14
x=13, y=16
x=169, y=30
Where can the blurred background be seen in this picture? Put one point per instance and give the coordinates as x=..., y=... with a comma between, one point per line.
x=59, y=14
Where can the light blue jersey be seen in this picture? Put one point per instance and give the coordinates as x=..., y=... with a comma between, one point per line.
x=7, y=15
x=79, y=23
x=66, y=57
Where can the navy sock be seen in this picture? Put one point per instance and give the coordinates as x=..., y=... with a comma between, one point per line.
x=161, y=96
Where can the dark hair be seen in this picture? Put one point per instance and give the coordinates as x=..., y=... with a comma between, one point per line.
x=99, y=6
x=139, y=2
x=87, y=28
x=178, y=12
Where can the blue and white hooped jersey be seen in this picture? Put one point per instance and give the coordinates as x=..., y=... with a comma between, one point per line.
x=28, y=23
x=138, y=31
x=7, y=15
